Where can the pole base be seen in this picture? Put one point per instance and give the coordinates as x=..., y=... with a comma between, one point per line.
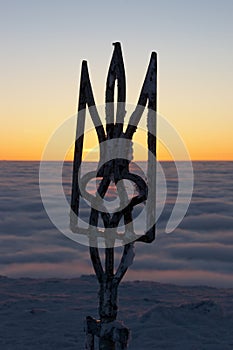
x=112, y=335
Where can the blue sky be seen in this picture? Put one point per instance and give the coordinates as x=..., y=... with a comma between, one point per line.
x=44, y=42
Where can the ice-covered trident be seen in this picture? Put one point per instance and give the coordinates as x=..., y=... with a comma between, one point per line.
x=115, y=144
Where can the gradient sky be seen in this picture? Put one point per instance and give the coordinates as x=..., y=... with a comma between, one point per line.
x=43, y=43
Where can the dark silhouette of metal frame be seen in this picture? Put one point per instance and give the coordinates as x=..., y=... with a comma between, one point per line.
x=112, y=334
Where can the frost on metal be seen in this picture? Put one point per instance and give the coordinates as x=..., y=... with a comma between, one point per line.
x=115, y=155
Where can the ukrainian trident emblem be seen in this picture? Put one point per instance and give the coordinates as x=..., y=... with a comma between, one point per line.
x=115, y=166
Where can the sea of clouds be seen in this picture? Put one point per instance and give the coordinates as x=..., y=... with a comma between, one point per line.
x=199, y=251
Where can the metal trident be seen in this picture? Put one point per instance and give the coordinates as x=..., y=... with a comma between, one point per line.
x=115, y=145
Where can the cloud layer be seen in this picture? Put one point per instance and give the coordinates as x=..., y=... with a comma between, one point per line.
x=200, y=251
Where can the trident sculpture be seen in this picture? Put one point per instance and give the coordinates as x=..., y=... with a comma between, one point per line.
x=115, y=144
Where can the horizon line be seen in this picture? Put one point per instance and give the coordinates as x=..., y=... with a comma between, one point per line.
x=138, y=160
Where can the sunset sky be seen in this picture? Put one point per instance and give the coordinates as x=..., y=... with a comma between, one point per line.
x=43, y=43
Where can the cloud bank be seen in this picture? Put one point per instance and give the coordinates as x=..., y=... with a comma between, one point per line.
x=199, y=251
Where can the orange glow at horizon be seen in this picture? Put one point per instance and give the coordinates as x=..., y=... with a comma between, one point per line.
x=205, y=137
x=29, y=150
